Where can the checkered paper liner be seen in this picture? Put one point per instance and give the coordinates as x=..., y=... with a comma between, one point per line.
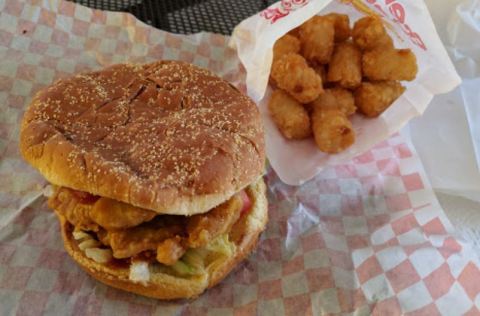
x=366, y=237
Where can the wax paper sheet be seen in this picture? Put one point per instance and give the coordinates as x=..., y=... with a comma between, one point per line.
x=410, y=25
x=446, y=135
x=365, y=237
x=452, y=124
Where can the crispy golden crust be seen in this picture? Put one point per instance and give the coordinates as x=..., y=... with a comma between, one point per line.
x=166, y=136
x=341, y=24
x=285, y=45
x=289, y=115
x=389, y=64
x=336, y=98
x=317, y=37
x=369, y=32
x=373, y=98
x=163, y=286
x=292, y=74
x=320, y=70
x=345, y=67
x=332, y=130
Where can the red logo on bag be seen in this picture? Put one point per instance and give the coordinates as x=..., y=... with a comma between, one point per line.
x=399, y=15
x=286, y=6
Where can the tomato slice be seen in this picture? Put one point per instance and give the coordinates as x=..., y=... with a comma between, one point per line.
x=246, y=202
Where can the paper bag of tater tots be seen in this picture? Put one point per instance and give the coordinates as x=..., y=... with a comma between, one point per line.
x=410, y=27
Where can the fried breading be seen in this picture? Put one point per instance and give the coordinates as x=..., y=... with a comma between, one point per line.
x=128, y=242
x=289, y=115
x=295, y=32
x=167, y=235
x=341, y=24
x=336, y=98
x=112, y=214
x=203, y=228
x=170, y=250
x=285, y=45
x=389, y=64
x=74, y=208
x=369, y=32
x=292, y=74
x=320, y=70
x=317, y=37
x=373, y=98
x=345, y=67
x=332, y=130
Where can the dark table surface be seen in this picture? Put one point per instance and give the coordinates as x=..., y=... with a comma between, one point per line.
x=185, y=16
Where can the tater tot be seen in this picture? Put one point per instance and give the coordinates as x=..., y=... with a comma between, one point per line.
x=373, y=98
x=345, y=67
x=332, y=130
x=335, y=98
x=369, y=32
x=341, y=24
x=285, y=45
x=289, y=115
x=317, y=37
x=292, y=73
x=294, y=32
x=389, y=64
x=320, y=70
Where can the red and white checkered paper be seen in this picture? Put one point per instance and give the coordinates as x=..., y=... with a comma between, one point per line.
x=367, y=237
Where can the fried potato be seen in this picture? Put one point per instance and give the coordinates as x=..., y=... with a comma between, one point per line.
x=335, y=98
x=373, y=98
x=341, y=24
x=285, y=45
x=290, y=116
x=292, y=73
x=295, y=32
x=320, y=70
x=345, y=67
x=317, y=37
x=325, y=70
x=332, y=130
x=369, y=32
x=389, y=64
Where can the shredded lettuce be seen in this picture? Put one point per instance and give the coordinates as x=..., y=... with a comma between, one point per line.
x=221, y=245
x=194, y=258
x=183, y=268
x=196, y=261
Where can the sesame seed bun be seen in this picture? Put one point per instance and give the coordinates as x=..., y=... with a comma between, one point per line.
x=167, y=286
x=167, y=136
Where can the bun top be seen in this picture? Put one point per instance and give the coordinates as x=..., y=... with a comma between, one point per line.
x=166, y=136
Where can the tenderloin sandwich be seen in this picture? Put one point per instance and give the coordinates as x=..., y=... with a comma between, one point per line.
x=156, y=174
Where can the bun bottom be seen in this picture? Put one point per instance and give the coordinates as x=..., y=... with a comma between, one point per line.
x=168, y=286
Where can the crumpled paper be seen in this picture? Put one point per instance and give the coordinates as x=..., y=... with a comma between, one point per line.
x=410, y=25
x=446, y=136
x=452, y=125
x=364, y=237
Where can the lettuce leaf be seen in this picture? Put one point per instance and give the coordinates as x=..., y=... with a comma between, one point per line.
x=195, y=261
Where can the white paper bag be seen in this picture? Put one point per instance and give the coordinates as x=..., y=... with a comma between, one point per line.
x=410, y=25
